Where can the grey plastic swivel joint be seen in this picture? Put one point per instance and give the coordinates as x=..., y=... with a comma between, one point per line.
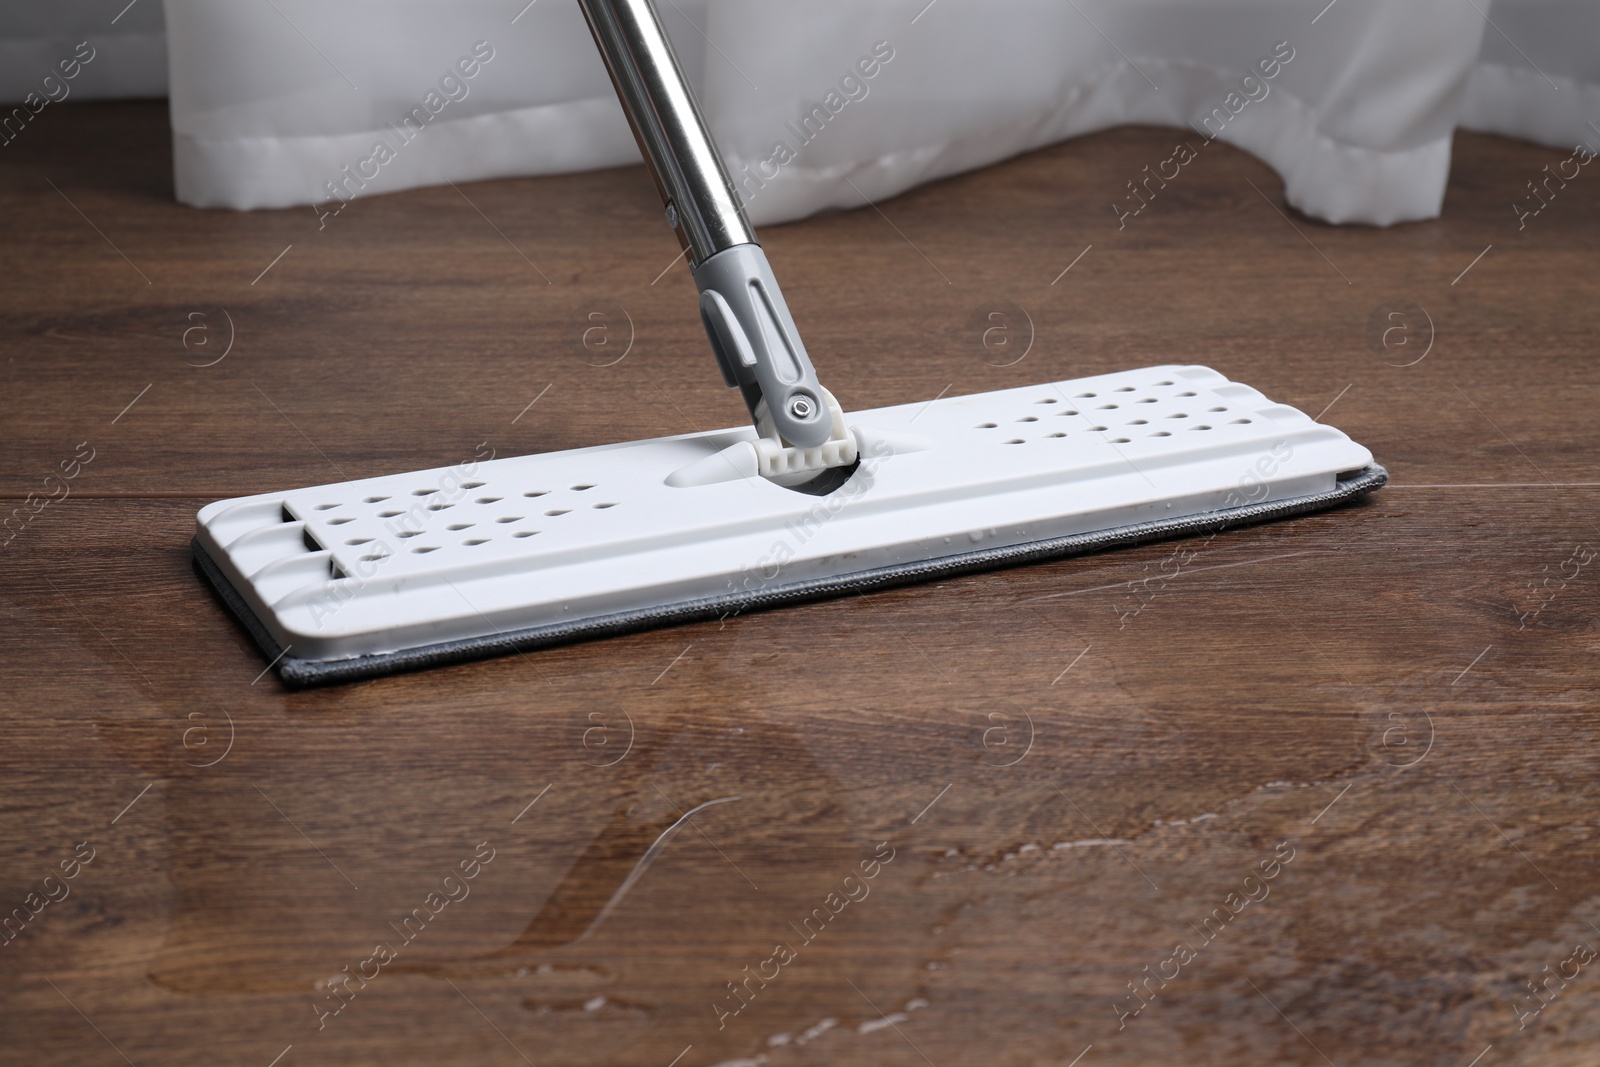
x=757, y=345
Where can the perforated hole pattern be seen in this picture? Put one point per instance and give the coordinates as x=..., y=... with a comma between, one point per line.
x=479, y=515
x=1131, y=424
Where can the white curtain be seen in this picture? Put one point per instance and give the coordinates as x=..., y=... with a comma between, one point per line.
x=127, y=46
x=1538, y=76
x=287, y=102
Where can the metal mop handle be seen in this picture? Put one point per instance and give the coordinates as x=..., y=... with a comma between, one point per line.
x=752, y=333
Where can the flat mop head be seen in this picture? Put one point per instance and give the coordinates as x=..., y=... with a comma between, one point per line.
x=364, y=578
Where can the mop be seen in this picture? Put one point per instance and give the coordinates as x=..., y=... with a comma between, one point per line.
x=364, y=578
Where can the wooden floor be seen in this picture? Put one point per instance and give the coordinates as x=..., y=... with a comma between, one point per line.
x=1329, y=795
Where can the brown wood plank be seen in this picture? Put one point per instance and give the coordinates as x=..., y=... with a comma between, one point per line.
x=1371, y=685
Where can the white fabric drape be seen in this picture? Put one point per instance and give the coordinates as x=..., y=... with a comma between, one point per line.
x=128, y=45
x=1538, y=76
x=1353, y=103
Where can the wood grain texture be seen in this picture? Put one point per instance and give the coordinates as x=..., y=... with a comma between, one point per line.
x=1075, y=768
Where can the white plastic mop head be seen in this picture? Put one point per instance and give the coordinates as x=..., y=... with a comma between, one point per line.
x=369, y=577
